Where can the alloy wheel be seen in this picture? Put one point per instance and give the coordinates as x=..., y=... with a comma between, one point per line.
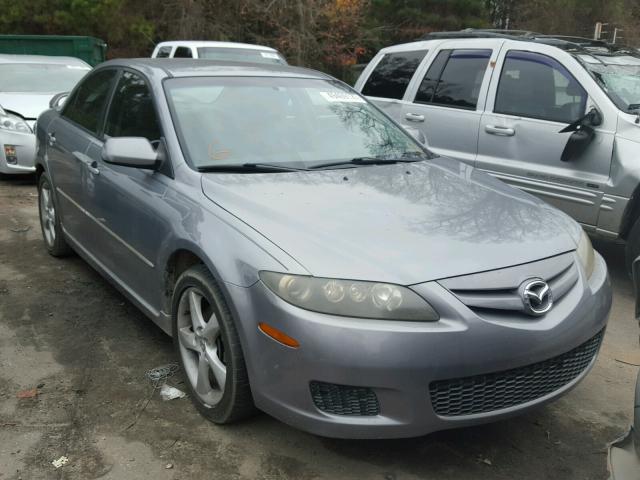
x=47, y=214
x=201, y=346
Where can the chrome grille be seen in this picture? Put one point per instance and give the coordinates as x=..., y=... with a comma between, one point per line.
x=497, y=290
x=495, y=391
x=344, y=400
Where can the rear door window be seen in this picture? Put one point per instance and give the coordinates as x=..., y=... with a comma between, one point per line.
x=454, y=79
x=537, y=86
x=183, y=52
x=392, y=74
x=87, y=104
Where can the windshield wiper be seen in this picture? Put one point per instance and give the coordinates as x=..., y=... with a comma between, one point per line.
x=369, y=161
x=249, y=167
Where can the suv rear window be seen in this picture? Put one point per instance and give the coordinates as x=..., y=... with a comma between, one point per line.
x=454, y=78
x=392, y=75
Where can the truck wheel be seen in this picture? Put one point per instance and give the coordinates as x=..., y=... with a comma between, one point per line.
x=632, y=248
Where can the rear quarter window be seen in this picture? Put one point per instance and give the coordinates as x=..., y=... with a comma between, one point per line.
x=392, y=74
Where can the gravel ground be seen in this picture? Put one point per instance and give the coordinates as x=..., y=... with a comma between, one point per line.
x=68, y=333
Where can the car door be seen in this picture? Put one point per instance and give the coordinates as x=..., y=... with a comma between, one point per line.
x=128, y=203
x=448, y=98
x=388, y=80
x=533, y=96
x=68, y=138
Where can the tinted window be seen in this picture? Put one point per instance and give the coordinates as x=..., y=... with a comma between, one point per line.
x=86, y=106
x=132, y=113
x=183, y=52
x=164, y=52
x=392, y=74
x=537, y=86
x=460, y=78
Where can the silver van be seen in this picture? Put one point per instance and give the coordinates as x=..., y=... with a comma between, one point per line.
x=554, y=116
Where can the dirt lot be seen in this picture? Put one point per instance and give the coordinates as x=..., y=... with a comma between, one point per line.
x=65, y=329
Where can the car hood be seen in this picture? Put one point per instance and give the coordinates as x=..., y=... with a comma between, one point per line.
x=28, y=105
x=403, y=223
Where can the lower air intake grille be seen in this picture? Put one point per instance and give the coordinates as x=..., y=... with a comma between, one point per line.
x=494, y=391
x=344, y=400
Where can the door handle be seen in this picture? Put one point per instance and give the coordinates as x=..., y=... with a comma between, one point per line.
x=52, y=139
x=91, y=164
x=414, y=117
x=500, y=131
x=93, y=167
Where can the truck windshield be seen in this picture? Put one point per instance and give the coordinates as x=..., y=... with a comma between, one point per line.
x=618, y=76
x=286, y=122
x=39, y=77
x=240, y=55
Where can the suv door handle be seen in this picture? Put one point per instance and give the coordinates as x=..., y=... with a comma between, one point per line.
x=414, y=117
x=52, y=139
x=500, y=131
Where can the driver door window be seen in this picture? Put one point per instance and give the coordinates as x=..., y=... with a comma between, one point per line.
x=132, y=113
x=533, y=85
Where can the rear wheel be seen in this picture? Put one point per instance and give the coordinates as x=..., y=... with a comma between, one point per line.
x=50, y=220
x=208, y=346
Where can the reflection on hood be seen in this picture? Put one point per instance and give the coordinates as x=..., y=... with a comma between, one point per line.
x=404, y=223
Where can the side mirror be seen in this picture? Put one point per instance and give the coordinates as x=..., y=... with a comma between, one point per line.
x=582, y=136
x=578, y=143
x=58, y=100
x=135, y=152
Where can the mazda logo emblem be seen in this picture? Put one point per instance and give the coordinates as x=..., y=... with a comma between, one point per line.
x=536, y=297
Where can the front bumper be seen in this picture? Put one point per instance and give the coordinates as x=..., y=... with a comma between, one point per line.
x=399, y=360
x=25, y=146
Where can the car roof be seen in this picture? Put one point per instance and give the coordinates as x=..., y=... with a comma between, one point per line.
x=207, y=43
x=55, y=60
x=188, y=67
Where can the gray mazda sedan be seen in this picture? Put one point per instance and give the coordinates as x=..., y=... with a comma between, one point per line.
x=312, y=259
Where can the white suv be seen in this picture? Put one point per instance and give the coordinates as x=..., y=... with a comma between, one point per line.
x=224, y=51
x=555, y=116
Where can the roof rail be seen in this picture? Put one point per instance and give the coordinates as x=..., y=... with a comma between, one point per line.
x=564, y=42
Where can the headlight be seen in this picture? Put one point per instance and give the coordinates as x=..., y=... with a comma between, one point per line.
x=350, y=298
x=13, y=122
x=586, y=254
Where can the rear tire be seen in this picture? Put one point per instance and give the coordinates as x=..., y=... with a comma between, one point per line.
x=50, y=219
x=208, y=346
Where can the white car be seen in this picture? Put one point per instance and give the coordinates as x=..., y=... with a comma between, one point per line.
x=224, y=51
x=27, y=84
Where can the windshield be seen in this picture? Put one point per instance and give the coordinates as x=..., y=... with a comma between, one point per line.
x=290, y=122
x=240, y=55
x=40, y=77
x=619, y=77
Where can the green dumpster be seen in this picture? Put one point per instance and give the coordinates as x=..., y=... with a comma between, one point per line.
x=90, y=49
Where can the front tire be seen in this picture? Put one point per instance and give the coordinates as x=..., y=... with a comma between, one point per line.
x=208, y=346
x=50, y=220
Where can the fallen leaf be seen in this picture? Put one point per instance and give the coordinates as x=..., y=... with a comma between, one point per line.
x=31, y=393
